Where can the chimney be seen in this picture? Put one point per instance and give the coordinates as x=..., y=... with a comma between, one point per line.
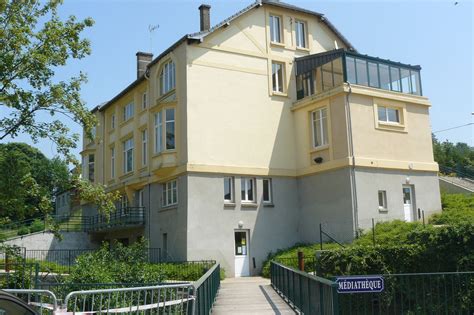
x=143, y=59
x=205, y=17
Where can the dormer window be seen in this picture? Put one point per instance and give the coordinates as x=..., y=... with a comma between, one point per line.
x=167, y=78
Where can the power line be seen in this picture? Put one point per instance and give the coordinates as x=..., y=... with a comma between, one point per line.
x=454, y=127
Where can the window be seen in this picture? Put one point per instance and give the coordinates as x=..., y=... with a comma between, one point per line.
x=128, y=155
x=170, y=193
x=112, y=162
x=158, y=132
x=144, y=100
x=144, y=147
x=170, y=136
x=228, y=189
x=320, y=127
x=91, y=167
x=167, y=78
x=300, y=28
x=128, y=111
x=247, y=186
x=112, y=121
x=275, y=29
x=387, y=114
x=141, y=198
x=93, y=132
x=382, y=200
x=277, y=77
x=168, y=132
x=267, y=191
x=123, y=203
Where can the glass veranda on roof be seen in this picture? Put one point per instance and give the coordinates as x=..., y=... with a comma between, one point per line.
x=321, y=72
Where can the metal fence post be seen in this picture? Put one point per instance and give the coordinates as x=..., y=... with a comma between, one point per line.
x=335, y=301
x=321, y=236
x=373, y=231
x=301, y=260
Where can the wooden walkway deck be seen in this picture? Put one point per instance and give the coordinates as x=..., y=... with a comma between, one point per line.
x=249, y=295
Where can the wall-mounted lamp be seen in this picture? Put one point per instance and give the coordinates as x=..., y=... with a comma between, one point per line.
x=318, y=160
x=241, y=224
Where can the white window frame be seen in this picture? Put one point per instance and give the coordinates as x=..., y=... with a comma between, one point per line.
x=317, y=125
x=278, y=88
x=144, y=100
x=144, y=135
x=270, y=191
x=301, y=37
x=382, y=193
x=169, y=196
x=274, y=28
x=386, y=109
x=244, y=185
x=167, y=79
x=162, y=127
x=112, y=162
x=128, y=111
x=123, y=203
x=231, y=185
x=128, y=146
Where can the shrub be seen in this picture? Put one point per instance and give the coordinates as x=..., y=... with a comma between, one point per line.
x=388, y=233
x=37, y=226
x=23, y=231
x=457, y=208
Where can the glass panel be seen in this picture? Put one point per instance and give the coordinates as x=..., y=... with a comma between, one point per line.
x=361, y=68
x=300, y=34
x=242, y=189
x=324, y=129
x=373, y=75
x=415, y=83
x=381, y=203
x=406, y=86
x=406, y=195
x=277, y=77
x=240, y=243
x=351, y=72
x=395, y=76
x=275, y=28
x=170, y=134
x=327, y=76
x=337, y=71
x=392, y=115
x=384, y=77
x=266, y=190
x=382, y=111
x=250, y=189
x=228, y=188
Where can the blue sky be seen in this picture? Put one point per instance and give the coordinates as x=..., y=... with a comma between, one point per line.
x=438, y=35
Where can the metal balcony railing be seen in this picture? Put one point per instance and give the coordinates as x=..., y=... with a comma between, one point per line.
x=124, y=217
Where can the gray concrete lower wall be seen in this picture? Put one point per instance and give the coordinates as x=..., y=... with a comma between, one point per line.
x=326, y=198
x=369, y=181
x=211, y=223
x=47, y=241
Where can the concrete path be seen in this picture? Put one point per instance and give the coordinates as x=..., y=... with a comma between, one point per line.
x=249, y=295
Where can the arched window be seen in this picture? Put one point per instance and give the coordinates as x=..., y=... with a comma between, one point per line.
x=167, y=78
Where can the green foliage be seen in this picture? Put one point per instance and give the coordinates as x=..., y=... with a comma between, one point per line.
x=37, y=226
x=390, y=233
x=28, y=181
x=459, y=157
x=457, y=208
x=23, y=231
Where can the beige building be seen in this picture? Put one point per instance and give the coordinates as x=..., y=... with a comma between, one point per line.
x=243, y=138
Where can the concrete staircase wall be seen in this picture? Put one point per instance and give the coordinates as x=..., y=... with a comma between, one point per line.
x=456, y=185
x=47, y=241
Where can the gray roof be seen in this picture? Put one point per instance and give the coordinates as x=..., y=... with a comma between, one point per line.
x=199, y=36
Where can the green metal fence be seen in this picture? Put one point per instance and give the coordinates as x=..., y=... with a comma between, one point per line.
x=205, y=290
x=307, y=293
x=416, y=293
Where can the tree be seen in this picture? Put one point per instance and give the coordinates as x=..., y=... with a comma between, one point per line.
x=34, y=43
x=454, y=158
x=28, y=181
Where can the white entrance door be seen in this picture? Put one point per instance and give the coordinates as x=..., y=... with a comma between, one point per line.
x=408, y=203
x=242, y=258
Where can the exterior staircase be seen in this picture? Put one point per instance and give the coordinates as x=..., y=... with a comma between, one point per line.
x=456, y=182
